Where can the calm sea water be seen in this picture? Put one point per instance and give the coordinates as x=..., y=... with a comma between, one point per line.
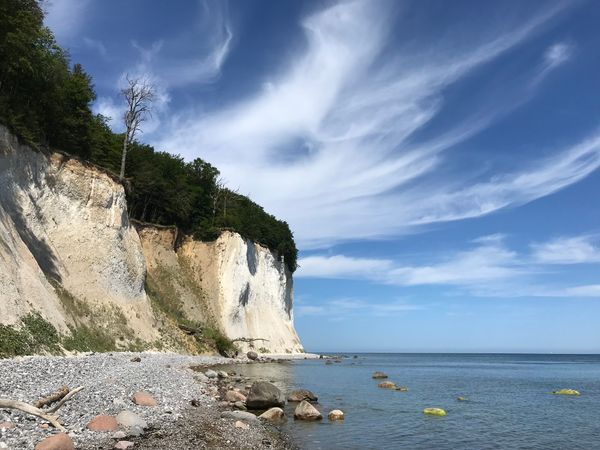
x=509, y=407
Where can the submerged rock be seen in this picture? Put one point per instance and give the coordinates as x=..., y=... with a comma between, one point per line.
x=379, y=375
x=264, y=395
x=302, y=394
x=462, y=399
x=402, y=388
x=434, y=412
x=306, y=411
x=336, y=414
x=566, y=392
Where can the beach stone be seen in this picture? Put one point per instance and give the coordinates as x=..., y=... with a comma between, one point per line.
x=242, y=425
x=387, y=385
x=273, y=415
x=136, y=359
x=211, y=373
x=239, y=415
x=252, y=355
x=130, y=419
x=434, y=412
x=300, y=395
x=336, y=414
x=142, y=398
x=306, y=411
x=264, y=395
x=119, y=435
x=379, y=375
x=240, y=405
x=566, y=392
x=6, y=425
x=135, y=431
x=103, y=422
x=235, y=396
x=201, y=377
x=122, y=445
x=59, y=441
x=222, y=374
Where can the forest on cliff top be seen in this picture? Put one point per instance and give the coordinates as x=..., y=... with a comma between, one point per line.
x=46, y=100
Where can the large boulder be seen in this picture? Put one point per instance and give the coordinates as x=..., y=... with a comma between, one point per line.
x=300, y=395
x=387, y=385
x=264, y=395
x=306, y=411
x=434, y=412
x=273, y=415
x=252, y=355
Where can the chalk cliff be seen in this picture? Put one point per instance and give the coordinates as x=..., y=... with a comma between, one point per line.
x=69, y=252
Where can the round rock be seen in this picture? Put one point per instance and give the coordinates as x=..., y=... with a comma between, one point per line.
x=264, y=395
x=103, y=422
x=273, y=415
x=239, y=415
x=302, y=394
x=379, y=375
x=252, y=355
x=59, y=441
x=142, y=398
x=130, y=419
x=336, y=414
x=306, y=411
x=387, y=385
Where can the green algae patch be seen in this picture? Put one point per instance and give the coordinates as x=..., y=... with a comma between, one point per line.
x=566, y=392
x=434, y=412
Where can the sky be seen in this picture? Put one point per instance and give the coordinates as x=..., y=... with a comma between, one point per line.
x=437, y=161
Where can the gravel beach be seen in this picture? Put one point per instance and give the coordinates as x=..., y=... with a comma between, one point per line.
x=186, y=415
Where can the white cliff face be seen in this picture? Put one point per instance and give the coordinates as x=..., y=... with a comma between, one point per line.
x=250, y=291
x=64, y=222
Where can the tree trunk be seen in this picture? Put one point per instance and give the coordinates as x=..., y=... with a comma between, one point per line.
x=124, y=157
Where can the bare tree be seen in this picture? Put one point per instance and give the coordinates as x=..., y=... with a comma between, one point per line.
x=139, y=95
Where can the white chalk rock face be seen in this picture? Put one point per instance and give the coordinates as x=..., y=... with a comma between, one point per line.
x=250, y=291
x=65, y=221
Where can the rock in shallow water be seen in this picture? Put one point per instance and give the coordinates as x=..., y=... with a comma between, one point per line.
x=264, y=395
x=379, y=375
x=566, y=392
x=306, y=411
x=336, y=414
x=302, y=394
x=387, y=385
x=434, y=412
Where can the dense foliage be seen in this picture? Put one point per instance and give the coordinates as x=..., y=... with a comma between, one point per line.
x=44, y=99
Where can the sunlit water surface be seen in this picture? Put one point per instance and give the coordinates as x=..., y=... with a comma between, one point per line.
x=510, y=403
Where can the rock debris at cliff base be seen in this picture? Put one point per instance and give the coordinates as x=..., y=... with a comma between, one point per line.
x=110, y=381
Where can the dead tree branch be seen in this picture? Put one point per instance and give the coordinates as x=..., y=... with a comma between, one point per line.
x=52, y=398
x=46, y=414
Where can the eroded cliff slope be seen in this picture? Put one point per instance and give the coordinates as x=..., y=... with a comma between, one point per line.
x=69, y=253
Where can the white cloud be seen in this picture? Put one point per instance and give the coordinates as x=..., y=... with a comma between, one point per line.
x=568, y=250
x=348, y=307
x=65, y=18
x=489, y=261
x=97, y=46
x=331, y=142
x=558, y=54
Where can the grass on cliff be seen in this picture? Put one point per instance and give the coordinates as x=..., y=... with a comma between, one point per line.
x=33, y=335
x=205, y=337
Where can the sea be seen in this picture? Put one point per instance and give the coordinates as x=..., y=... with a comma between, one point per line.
x=509, y=402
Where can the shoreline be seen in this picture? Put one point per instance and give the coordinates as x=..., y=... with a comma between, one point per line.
x=187, y=414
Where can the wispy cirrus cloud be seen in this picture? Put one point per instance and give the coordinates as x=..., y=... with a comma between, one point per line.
x=340, y=131
x=568, y=250
x=65, y=18
x=488, y=269
x=349, y=307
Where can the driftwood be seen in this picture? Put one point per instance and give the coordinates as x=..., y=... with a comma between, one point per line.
x=249, y=340
x=52, y=398
x=46, y=414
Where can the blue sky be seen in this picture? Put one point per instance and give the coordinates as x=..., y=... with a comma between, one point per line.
x=437, y=161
